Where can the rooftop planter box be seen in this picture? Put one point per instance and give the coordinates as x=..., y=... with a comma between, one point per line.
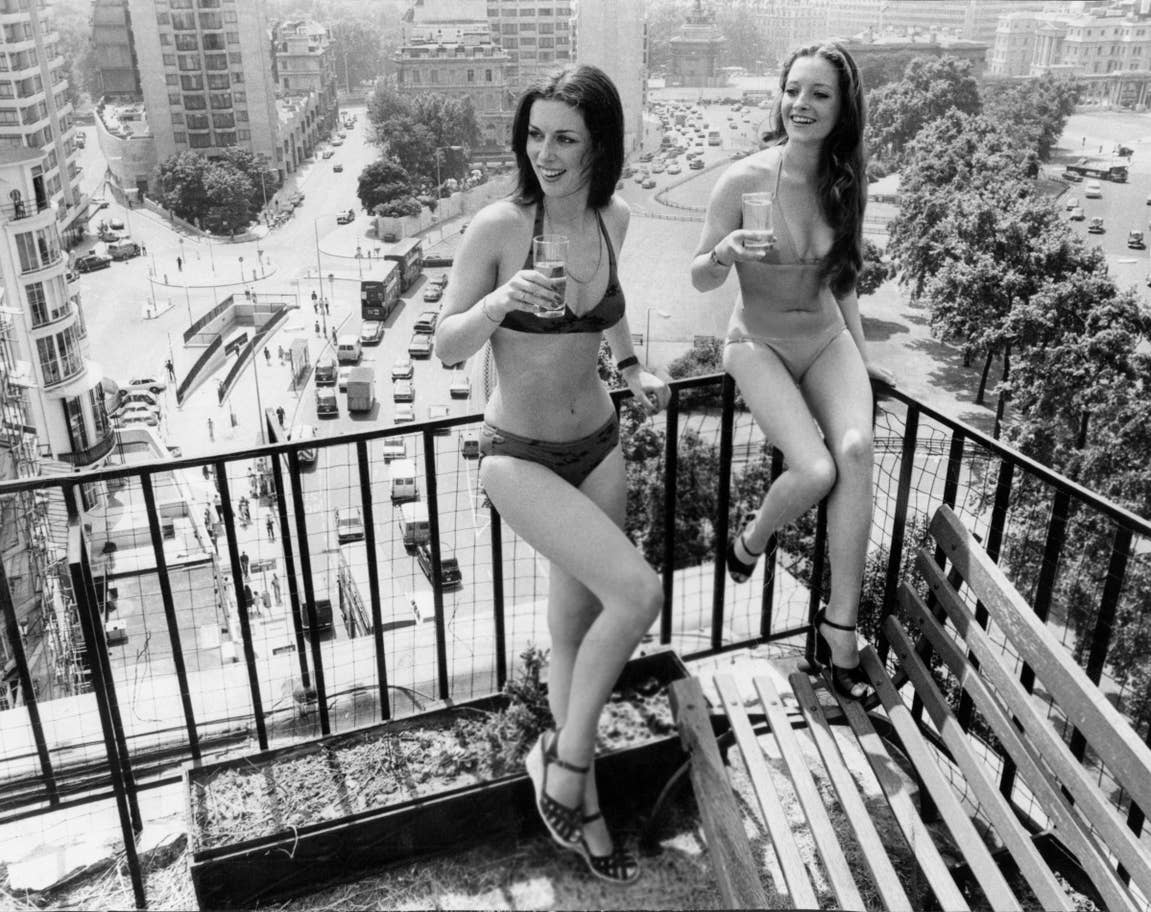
x=280, y=822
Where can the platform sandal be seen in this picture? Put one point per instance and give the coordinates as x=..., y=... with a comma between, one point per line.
x=739, y=570
x=563, y=822
x=620, y=866
x=851, y=683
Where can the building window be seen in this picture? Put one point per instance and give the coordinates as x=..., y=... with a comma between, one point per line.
x=165, y=38
x=37, y=249
x=220, y=121
x=99, y=414
x=8, y=116
x=220, y=100
x=169, y=59
x=239, y=97
x=198, y=122
x=189, y=61
x=180, y=137
x=187, y=42
x=174, y=98
x=184, y=22
x=177, y=117
x=195, y=103
x=487, y=75
x=245, y=134
x=219, y=80
x=242, y=116
x=77, y=432
x=171, y=79
x=226, y=138
x=213, y=42
x=200, y=140
x=233, y=37
x=235, y=57
x=471, y=75
x=215, y=61
x=229, y=15
x=192, y=83
x=37, y=303
x=211, y=21
x=237, y=77
x=162, y=18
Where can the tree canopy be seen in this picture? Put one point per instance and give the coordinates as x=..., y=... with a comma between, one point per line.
x=216, y=195
x=385, y=188
x=412, y=129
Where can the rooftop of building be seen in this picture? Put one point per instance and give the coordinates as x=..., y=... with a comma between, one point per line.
x=124, y=119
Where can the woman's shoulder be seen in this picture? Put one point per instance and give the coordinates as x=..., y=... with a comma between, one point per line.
x=751, y=170
x=502, y=215
x=617, y=212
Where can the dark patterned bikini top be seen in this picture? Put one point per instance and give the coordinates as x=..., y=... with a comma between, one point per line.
x=604, y=315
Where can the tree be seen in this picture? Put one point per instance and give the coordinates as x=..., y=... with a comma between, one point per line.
x=418, y=131
x=931, y=86
x=217, y=195
x=383, y=183
x=1036, y=109
x=229, y=194
x=181, y=184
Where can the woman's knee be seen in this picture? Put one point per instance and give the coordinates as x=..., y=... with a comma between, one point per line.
x=817, y=476
x=643, y=599
x=855, y=451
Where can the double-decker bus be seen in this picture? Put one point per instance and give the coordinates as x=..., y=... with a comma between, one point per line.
x=1101, y=170
x=409, y=253
x=380, y=294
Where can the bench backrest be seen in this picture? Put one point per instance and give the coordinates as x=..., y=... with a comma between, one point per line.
x=987, y=663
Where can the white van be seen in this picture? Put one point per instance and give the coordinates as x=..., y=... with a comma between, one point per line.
x=414, y=527
x=348, y=349
x=404, y=484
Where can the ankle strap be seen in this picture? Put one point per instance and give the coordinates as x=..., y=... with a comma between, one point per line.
x=551, y=755
x=590, y=818
x=821, y=619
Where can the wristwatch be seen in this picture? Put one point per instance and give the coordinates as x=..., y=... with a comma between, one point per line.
x=714, y=259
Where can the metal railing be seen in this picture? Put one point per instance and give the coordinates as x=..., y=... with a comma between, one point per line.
x=231, y=651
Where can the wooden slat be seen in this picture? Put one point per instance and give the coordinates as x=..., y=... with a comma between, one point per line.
x=1106, y=730
x=991, y=801
x=774, y=817
x=728, y=848
x=1068, y=772
x=870, y=842
x=1063, y=821
x=903, y=808
x=963, y=831
x=822, y=830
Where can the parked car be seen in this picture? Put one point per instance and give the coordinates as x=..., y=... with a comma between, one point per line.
x=1077, y=214
x=1135, y=240
x=435, y=413
x=696, y=164
x=403, y=391
x=327, y=153
x=426, y=322
x=404, y=414
x=304, y=432
x=116, y=224
x=432, y=294
x=325, y=371
x=441, y=280
x=1095, y=226
x=145, y=382
x=137, y=414
x=346, y=218
x=393, y=448
x=1093, y=190
x=139, y=397
x=124, y=250
x=649, y=184
x=1072, y=177
x=371, y=332
x=349, y=524
x=1072, y=203
x=90, y=262
x=403, y=369
x=450, y=575
x=337, y=167
x=461, y=387
x=420, y=346
x=326, y=401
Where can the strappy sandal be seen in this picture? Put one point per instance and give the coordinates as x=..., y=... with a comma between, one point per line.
x=563, y=822
x=739, y=570
x=851, y=683
x=620, y=866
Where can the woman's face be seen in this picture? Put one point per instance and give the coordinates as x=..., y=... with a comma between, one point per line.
x=558, y=147
x=811, y=100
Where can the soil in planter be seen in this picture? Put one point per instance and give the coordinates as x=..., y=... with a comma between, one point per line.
x=387, y=767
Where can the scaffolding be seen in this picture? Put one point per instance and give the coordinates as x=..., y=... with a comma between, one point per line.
x=54, y=646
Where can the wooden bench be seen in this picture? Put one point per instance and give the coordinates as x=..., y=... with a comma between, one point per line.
x=1079, y=832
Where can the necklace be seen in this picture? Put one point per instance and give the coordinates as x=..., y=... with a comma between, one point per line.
x=598, y=258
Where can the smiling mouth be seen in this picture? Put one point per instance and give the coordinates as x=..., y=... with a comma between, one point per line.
x=550, y=173
x=802, y=121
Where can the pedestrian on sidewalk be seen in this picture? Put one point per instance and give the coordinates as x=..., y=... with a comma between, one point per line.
x=276, y=589
x=245, y=562
x=171, y=368
x=280, y=414
x=335, y=338
x=267, y=356
x=219, y=505
x=251, y=481
x=211, y=431
x=270, y=525
x=317, y=327
x=327, y=307
x=315, y=303
x=180, y=264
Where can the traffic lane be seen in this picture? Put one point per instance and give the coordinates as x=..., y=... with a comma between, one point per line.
x=1123, y=208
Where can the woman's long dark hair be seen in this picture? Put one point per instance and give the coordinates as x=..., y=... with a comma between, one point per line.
x=590, y=91
x=842, y=187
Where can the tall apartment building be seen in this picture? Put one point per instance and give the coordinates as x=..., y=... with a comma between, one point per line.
x=613, y=36
x=537, y=35
x=448, y=48
x=34, y=111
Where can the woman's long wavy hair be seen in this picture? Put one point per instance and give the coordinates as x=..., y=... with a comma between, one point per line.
x=590, y=91
x=842, y=179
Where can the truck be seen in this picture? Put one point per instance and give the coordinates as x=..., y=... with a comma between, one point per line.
x=361, y=389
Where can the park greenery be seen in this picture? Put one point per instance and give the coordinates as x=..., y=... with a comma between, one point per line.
x=221, y=195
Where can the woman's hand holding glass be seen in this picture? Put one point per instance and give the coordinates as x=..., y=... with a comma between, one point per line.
x=745, y=246
x=528, y=290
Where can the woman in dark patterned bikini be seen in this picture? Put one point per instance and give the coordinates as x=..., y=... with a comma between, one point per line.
x=551, y=462
x=795, y=343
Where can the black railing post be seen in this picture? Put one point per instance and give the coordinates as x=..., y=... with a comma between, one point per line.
x=309, y=589
x=170, y=614
x=293, y=590
x=723, y=507
x=373, y=577
x=670, y=498
x=437, y=589
x=815, y=593
x=767, y=601
x=238, y=587
x=103, y=689
x=899, y=525
x=28, y=692
x=498, y=597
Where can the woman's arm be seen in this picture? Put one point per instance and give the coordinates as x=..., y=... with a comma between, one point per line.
x=721, y=243
x=474, y=306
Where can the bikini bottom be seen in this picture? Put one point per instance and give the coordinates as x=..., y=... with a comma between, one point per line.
x=797, y=353
x=572, y=460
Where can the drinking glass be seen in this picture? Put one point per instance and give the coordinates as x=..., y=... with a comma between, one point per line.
x=549, y=254
x=757, y=217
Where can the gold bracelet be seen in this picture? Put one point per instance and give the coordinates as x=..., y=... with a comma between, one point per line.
x=484, y=308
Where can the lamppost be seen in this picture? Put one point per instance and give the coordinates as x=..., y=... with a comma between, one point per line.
x=259, y=401
x=241, y=270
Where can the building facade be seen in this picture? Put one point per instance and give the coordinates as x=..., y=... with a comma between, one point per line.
x=613, y=36
x=697, y=51
x=305, y=73
x=448, y=48
x=535, y=34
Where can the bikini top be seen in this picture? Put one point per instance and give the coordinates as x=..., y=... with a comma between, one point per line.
x=786, y=250
x=604, y=315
